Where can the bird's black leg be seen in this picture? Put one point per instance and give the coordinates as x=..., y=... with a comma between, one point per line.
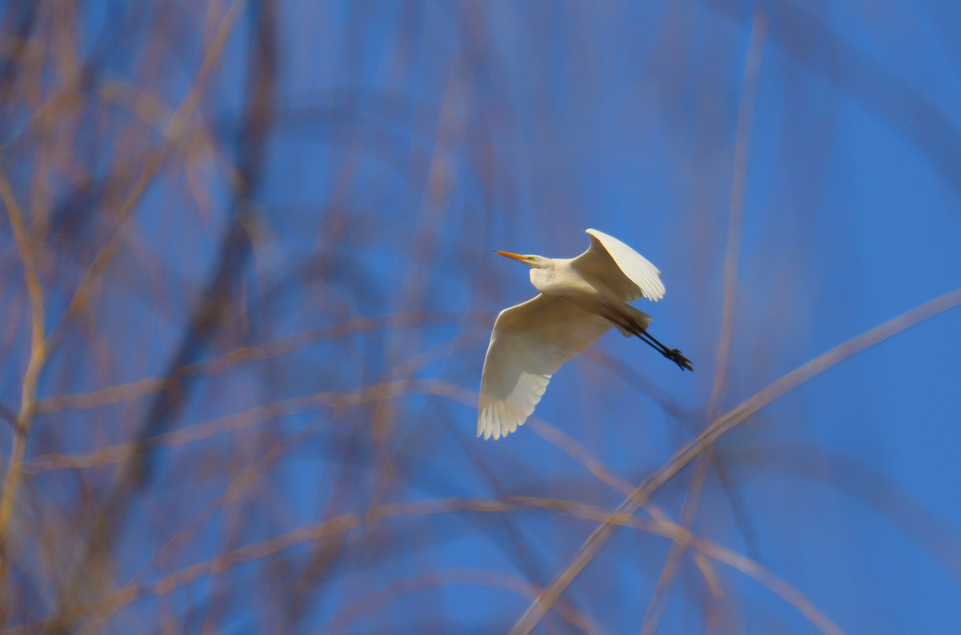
x=672, y=354
x=631, y=326
x=650, y=341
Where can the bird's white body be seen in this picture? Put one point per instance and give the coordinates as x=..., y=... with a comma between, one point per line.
x=577, y=284
x=580, y=300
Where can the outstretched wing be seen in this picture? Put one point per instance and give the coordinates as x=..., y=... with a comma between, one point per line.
x=530, y=342
x=626, y=272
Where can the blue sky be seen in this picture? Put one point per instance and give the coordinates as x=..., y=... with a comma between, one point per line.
x=405, y=143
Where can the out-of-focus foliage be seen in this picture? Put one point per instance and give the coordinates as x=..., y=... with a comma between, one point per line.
x=246, y=286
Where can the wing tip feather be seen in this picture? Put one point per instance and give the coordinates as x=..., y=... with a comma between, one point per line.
x=638, y=270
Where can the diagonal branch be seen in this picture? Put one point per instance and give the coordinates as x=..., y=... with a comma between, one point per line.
x=344, y=523
x=742, y=145
x=142, y=387
x=38, y=356
x=778, y=389
x=656, y=606
x=136, y=472
x=735, y=224
x=176, y=127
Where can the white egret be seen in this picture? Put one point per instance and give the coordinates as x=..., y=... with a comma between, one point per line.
x=580, y=299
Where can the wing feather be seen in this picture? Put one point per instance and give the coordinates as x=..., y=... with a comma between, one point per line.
x=530, y=342
x=625, y=271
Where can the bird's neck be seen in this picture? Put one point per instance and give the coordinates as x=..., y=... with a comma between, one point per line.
x=541, y=277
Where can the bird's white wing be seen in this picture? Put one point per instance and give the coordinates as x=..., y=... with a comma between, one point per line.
x=626, y=272
x=530, y=342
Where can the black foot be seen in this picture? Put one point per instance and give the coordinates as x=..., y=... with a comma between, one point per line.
x=672, y=354
x=675, y=356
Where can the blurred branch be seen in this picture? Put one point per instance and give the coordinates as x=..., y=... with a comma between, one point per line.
x=859, y=480
x=440, y=578
x=719, y=427
x=136, y=471
x=348, y=522
x=752, y=68
x=235, y=491
x=176, y=127
x=193, y=471
x=642, y=384
x=688, y=512
x=240, y=421
x=573, y=449
x=9, y=415
x=224, y=363
x=38, y=355
x=679, y=534
x=805, y=37
x=732, y=258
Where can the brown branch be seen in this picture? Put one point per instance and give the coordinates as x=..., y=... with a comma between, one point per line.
x=230, y=497
x=283, y=346
x=786, y=384
x=688, y=512
x=38, y=356
x=251, y=417
x=347, y=522
x=91, y=569
x=732, y=258
x=175, y=129
x=440, y=578
x=742, y=146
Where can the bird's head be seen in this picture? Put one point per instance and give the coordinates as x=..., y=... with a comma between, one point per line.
x=534, y=262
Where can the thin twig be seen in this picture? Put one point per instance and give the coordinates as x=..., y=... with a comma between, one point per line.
x=175, y=129
x=143, y=387
x=38, y=355
x=656, y=606
x=786, y=384
x=742, y=147
x=732, y=259
x=347, y=522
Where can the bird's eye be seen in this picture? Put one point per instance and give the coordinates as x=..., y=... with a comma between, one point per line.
x=530, y=257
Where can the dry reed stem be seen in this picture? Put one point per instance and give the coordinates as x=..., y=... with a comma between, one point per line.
x=194, y=144
x=710, y=576
x=655, y=607
x=742, y=146
x=592, y=464
x=238, y=486
x=239, y=421
x=38, y=355
x=245, y=419
x=399, y=588
x=176, y=127
x=561, y=440
x=786, y=384
x=677, y=534
x=732, y=258
x=143, y=387
x=347, y=522
x=528, y=561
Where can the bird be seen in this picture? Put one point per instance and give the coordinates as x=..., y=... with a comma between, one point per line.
x=580, y=299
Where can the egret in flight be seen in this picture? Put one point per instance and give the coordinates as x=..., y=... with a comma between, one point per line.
x=580, y=299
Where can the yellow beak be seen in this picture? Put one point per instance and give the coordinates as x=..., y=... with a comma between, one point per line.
x=510, y=255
